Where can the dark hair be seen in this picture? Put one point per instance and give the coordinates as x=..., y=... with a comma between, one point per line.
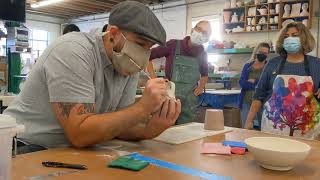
x=70, y=28
x=257, y=48
x=306, y=38
x=105, y=28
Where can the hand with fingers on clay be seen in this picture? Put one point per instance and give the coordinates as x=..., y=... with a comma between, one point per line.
x=164, y=118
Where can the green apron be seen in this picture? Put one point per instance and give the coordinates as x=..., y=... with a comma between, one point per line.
x=185, y=74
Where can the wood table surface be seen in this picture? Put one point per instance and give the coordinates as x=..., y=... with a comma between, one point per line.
x=238, y=167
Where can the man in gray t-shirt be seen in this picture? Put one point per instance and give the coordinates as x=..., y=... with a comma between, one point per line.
x=82, y=89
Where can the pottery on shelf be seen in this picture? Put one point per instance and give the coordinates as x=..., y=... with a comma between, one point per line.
x=252, y=11
x=248, y=28
x=253, y=21
x=305, y=22
x=263, y=10
x=234, y=18
x=272, y=11
x=271, y=20
x=258, y=27
x=277, y=8
x=228, y=31
x=239, y=4
x=249, y=21
x=227, y=16
x=227, y=4
x=295, y=10
x=233, y=4
x=253, y=28
x=256, y=2
x=270, y=1
x=276, y=19
x=287, y=9
x=305, y=7
x=262, y=20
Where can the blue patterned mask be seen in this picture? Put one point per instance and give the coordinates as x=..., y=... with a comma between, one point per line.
x=292, y=45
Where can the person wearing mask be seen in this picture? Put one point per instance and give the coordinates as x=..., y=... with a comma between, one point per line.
x=288, y=87
x=82, y=90
x=187, y=66
x=249, y=79
x=70, y=28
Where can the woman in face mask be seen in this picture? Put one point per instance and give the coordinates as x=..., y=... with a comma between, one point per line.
x=288, y=87
x=249, y=79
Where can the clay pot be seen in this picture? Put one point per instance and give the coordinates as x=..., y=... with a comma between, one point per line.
x=227, y=16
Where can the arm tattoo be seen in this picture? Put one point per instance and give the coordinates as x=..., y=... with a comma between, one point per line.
x=85, y=108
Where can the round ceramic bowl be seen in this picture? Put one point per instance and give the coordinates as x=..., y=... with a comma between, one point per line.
x=277, y=153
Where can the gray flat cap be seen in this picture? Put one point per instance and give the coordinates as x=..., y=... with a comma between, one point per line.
x=138, y=18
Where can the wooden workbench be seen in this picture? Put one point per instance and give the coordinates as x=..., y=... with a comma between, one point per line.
x=236, y=166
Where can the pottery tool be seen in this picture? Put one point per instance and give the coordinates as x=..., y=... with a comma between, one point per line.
x=51, y=175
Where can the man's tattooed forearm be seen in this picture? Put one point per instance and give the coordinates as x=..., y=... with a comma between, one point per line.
x=84, y=108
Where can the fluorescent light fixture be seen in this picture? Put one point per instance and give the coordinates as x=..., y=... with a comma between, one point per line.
x=45, y=3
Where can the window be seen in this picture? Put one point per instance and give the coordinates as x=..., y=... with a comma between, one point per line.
x=2, y=40
x=216, y=26
x=39, y=40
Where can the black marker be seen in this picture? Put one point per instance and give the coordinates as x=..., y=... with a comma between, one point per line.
x=63, y=165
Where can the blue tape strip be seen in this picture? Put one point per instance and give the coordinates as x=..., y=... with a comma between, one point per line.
x=235, y=144
x=178, y=168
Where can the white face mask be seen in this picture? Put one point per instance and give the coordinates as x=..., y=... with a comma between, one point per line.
x=198, y=38
x=122, y=61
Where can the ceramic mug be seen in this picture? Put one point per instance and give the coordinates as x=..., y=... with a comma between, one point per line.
x=214, y=120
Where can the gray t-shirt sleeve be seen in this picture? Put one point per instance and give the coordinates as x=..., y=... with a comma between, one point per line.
x=69, y=73
x=129, y=93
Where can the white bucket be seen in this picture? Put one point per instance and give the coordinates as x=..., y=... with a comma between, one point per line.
x=8, y=129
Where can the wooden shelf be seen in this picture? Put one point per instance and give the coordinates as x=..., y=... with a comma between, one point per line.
x=240, y=22
x=273, y=23
x=293, y=17
x=230, y=9
x=276, y=14
x=262, y=15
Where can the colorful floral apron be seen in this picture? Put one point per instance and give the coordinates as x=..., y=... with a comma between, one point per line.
x=292, y=109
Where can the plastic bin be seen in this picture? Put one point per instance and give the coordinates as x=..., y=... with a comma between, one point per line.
x=8, y=129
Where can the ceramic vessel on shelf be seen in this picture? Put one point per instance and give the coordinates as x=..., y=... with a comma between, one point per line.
x=256, y=2
x=237, y=29
x=271, y=20
x=277, y=8
x=263, y=1
x=227, y=16
x=234, y=18
x=273, y=27
x=287, y=9
x=304, y=9
x=239, y=4
x=233, y=3
x=252, y=11
x=272, y=11
x=295, y=10
x=262, y=20
x=305, y=22
x=227, y=4
x=276, y=19
x=228, y=31
x=253, y=21
x=270, y=1
x=258, y=27
x=253, y=28
x=248, y=28
x=249, y=21
x=263, y=10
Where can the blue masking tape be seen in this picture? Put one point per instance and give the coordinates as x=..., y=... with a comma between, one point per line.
x=178, y=168
x=235, y=144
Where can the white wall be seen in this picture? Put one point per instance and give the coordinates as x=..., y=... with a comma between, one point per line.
x=50, y=24
x=173, y=20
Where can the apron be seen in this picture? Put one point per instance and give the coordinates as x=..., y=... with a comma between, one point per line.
x=185, y=75
x=292, y=109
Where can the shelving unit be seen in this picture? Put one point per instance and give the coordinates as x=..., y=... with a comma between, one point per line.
x=270, y=25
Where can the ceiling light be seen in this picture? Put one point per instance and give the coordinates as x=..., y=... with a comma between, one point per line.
x=44, y=3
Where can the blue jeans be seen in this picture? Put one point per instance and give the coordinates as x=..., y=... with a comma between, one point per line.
x=244, y=113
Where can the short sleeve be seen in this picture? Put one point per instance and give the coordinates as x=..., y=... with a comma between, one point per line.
x=129, y=93
x=69, y=73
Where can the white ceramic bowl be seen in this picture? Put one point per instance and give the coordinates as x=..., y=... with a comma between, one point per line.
x=277, y=153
